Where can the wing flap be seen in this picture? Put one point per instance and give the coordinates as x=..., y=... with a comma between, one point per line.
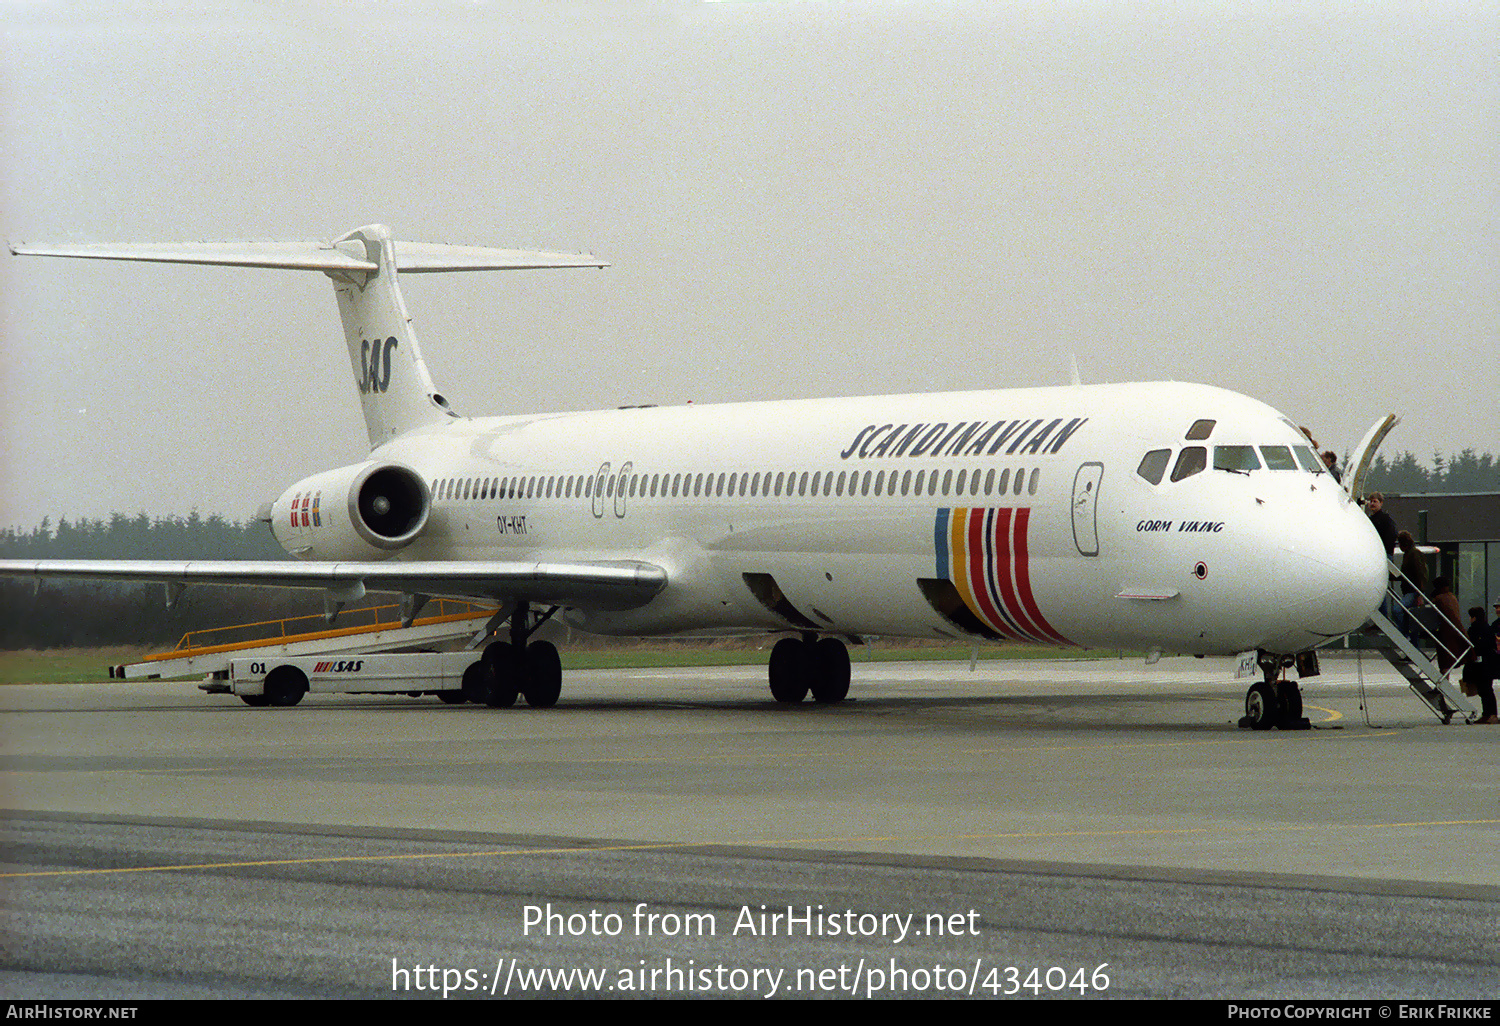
x=623, y=584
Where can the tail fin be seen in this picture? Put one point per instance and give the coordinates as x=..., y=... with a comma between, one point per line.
x=395, y=389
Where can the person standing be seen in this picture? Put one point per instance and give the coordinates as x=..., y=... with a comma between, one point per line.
x=1480, y=665
x=1385, y=526
x=1450, y=640
x=1413, y=583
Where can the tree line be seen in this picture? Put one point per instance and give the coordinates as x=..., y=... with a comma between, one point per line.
x=53, y=614
x=1468, y=471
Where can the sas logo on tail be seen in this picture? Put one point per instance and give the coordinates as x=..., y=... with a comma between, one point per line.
x=339, y=666
x=375, y=374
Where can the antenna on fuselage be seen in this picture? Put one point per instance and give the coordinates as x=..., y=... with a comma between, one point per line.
x=1073, y=378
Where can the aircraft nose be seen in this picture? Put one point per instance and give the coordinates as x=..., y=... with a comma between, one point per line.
x=1335, y=573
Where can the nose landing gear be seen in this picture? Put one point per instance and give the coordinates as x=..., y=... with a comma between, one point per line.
x=1274, y=701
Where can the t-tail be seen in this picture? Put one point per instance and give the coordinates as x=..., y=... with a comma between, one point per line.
x=395, y=389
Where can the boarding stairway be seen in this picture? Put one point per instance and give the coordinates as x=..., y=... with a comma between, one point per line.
x=1421, y=673
x=386, y=629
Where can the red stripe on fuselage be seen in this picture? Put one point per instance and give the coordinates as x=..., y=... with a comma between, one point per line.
x=1023, y=579
x=978, y=582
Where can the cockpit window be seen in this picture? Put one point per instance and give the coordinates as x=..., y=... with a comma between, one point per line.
x=1235, y=457
x=1309, y=459
x=1278, y=457
x=1154, y=465
x=1200, y=430
x=1189, y=462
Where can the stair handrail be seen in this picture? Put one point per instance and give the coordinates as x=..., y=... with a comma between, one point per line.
x=1436, y=641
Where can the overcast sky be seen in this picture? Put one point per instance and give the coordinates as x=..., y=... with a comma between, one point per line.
x=1295, y=201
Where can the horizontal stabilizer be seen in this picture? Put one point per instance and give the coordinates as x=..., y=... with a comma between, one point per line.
x=421, y=257
x=313, y=255
x=308, y=255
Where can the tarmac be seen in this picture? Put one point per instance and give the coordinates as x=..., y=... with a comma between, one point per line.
x=1084, y=811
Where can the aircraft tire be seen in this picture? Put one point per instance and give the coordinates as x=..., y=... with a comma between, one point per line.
x=1289, y=702
x=285, y=686
x=505, y=675
x=790, y=670
x=543, y=675
x=451, y=697
x=476, y=684
x=831, y=671
x=1261, y=707
x=258, y=701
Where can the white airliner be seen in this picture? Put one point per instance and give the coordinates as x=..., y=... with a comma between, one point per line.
x=1155, y=515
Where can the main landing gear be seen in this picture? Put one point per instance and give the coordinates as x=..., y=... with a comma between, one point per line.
x=1274, y=701
x=514, y=668
x=808, y=664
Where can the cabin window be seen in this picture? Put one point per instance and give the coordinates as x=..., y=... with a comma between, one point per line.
x=1200, y=430
x=947, y=482
x=839, y=488
x=779, y=481
x=1004, y=481
x=1236, y=457
x=989, y=482
x=1190, y=461
x=1020, y=481
x=1154, y=465
x=960, y=486
x=1278, y=457
x=974, y=483
x=880, y=483
x=1036, y=477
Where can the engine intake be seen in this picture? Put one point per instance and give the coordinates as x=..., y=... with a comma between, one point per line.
x=367, y=511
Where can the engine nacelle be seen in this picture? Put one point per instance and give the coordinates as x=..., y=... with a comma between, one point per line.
x=358, y=513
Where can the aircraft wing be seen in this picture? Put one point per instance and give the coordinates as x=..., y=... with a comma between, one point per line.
x=605, y=585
